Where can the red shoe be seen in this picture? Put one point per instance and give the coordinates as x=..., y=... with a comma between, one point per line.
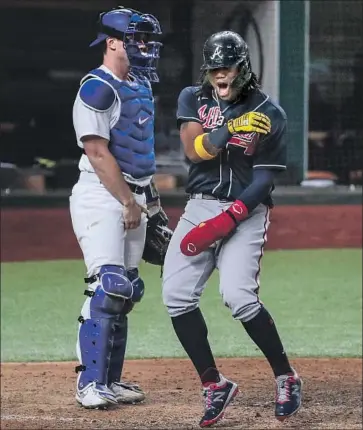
x=217, y=397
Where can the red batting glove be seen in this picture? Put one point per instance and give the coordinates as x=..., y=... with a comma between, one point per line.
x=207, y=232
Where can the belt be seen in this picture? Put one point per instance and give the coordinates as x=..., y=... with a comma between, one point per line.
x=205, y=196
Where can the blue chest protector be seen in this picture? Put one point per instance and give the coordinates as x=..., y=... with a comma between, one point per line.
x=132, y=137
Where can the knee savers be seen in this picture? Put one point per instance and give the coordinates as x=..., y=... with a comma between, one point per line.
x=116, y=286
x=110, y=297
x=138, y=286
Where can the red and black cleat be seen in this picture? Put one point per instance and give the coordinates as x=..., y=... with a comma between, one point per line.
x=217, y=397
x=288, y=395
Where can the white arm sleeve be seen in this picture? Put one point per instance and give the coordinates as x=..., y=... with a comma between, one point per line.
x=88, y=122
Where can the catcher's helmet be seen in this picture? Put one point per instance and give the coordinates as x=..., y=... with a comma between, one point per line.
x=228, y=49
x=136, y=30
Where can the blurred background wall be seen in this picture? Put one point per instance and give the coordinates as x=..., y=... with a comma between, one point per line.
x=309, y=58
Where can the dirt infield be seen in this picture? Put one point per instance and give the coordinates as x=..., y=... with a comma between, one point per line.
x=41, y=396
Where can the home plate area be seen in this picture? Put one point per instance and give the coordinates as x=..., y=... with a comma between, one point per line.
x=41, y=396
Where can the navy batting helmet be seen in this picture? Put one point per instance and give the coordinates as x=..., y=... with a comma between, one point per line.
x=137, y=31
x=227, y=49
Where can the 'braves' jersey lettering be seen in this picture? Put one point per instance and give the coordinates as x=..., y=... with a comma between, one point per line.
x=210, y=117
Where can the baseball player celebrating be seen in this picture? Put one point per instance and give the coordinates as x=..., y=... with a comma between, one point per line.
x=113, y=117
x=234, y=138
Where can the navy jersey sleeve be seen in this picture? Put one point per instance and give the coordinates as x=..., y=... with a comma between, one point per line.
x=271, y=152
x=187, y=106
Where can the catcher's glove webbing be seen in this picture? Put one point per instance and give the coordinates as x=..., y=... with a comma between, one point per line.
x=158, y=236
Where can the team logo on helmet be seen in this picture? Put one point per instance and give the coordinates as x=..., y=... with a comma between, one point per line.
x=217, y=53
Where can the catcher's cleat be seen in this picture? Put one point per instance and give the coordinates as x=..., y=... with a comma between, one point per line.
x=127, y=393
x=95, y=396
x=288, y=395
x=217, y=397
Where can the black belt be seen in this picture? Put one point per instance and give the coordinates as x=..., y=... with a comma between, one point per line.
x=205, y=196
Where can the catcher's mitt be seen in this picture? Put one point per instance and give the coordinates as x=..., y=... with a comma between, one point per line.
x=158, y=236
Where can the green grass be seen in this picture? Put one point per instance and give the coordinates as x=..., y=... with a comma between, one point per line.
x=314, y=296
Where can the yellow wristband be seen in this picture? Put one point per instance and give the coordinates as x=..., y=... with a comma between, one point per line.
x=200, y=150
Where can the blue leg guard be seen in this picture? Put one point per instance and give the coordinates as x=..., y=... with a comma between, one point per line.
x=120, y=333
x=118, y=350
x=101, y=312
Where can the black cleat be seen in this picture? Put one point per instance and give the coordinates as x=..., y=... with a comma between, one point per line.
x=217, y=397
x=288, y=395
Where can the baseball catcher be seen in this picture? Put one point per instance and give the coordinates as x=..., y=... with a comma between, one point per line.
x=113, y=117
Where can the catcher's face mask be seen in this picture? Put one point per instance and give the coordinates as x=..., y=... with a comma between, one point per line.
x=139, y=33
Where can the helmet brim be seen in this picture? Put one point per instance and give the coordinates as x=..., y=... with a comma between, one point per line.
x=100, y=38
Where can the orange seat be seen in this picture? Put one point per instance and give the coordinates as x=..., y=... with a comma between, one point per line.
x=321, y=174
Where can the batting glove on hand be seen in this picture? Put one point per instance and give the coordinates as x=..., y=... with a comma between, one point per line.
x=207, y=232
x=251, y=121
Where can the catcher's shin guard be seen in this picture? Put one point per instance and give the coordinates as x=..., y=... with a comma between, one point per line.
x=106, y=297
x=118, y=348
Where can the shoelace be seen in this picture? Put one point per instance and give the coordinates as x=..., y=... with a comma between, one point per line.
x=283, y=390
x=208, y=394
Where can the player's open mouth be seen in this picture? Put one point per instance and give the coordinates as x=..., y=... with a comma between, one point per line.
x=223, y=89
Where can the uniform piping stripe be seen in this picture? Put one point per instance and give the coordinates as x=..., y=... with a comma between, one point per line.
x=220, y=154
x=261, y=104
x=220, y=173
x=262, y=251
x=230, y=177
